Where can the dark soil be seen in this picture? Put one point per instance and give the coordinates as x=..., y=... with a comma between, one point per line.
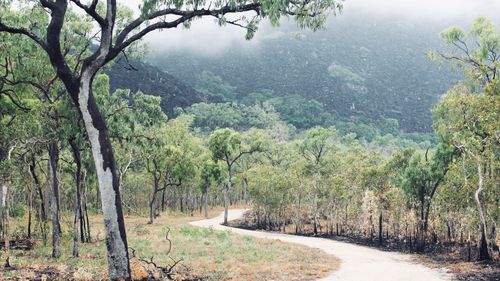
x=452, y=256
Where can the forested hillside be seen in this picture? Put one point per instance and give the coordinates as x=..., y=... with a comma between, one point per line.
x=369, y=68
x=140, y=76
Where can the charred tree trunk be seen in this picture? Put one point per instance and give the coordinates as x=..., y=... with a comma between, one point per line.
x=483, y=239
x=54, y=197
x=421, y=235
x=30, y=207
x=380, y=234
x=163, y=200
x=78, y=208
x=102, y=153
x=152, y=202
x=32, y=167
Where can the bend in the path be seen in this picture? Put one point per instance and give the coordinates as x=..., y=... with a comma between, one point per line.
x=358, y=263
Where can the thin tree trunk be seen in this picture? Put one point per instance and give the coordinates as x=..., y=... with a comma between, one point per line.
x=30, y=207
x=38, y=187
x=4, y=215
x=54, y=197
x=152, y=202
x=85, y=209
x=226, y=195
x=205, y=205
x=245, y=190
x=152, y=207
x=75, y=233
x=78, y=208
x=371, y=225
x=163, y=200
x=2, y=205
x=483, y=240
x=380, y=235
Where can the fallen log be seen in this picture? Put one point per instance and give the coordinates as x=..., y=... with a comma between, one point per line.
x=18, y=244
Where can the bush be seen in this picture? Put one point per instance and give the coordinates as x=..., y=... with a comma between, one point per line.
x=17, y=211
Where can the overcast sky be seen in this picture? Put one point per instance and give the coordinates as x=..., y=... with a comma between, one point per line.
x=207, y=37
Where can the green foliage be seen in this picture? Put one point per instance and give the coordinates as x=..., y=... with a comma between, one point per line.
x=475, y=52
x=228, y=146
x=212, y=116
x=213, y=85
x=18, y=211
x=307, y=14
x=372, y=49
x=210, y=173
x=344, y=74
x=301, y=112
x=269, y=187
x=317, y=142
x=424, y=172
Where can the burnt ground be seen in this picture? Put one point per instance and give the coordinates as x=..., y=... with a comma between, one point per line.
x=452, y=256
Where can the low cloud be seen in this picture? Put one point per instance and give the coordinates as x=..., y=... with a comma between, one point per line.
x=205, y=37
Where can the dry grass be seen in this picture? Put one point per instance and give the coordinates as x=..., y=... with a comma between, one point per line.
x=206, y=253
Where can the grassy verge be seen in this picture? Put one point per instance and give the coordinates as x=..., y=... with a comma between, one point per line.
x=206, y=254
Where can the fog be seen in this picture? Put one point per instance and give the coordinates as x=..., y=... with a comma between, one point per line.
x=206, y=37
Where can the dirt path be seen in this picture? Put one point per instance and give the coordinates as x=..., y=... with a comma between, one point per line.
x=358, y=263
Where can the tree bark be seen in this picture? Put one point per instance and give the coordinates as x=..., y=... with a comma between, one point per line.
x=85, y=214
x=483, y=240
x=78, y=208
x=5, y=216
x=152, y=202
x=380, y=235
x=102, y=152
x=30, y=207
x=226, y=195
x=3, y=202
x=245, y=190
x=39, y=188
x=54, y=197
x=205, y=202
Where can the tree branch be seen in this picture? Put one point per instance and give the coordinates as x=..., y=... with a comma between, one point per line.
x=25, y=32
x=91, y=11
x=122, y=42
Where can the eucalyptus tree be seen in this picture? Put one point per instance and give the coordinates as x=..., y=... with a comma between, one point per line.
x=352, y=164
x=316, y=144
x=229, y=147
x=468, y=116
x=116, y=35
x=173, y=160
x=28, y=70
x=210, y=173
x=270, y=190
x=374, y=179
x=422, y=177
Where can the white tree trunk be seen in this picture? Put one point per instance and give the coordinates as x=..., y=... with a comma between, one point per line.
x=3, y=197
x=116, y=241
x=483, y=240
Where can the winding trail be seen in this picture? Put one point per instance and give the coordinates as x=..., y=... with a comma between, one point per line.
x=358, y=263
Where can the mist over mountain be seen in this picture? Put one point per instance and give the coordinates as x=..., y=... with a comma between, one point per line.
x=357, y=68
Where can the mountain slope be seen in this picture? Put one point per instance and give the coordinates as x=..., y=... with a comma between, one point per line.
x=357, y=68
x=153, y=81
